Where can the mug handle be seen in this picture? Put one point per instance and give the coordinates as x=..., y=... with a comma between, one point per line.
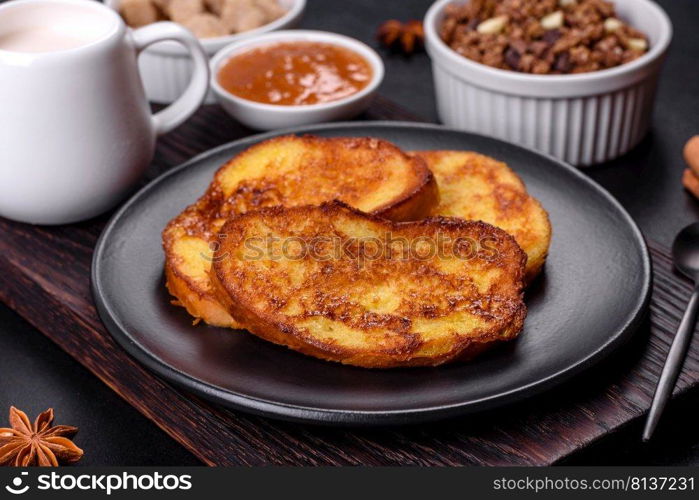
x=194, y=94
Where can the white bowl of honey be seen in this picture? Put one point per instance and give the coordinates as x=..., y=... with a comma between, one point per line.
x=292, y=78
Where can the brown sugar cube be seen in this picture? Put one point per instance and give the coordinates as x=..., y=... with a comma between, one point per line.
x=230, y=11
x=242, y=15
x=272, y=8
x=691, y=154
x=138, y=13
x=690, y=182
x=251, y=19
x=183, y=10
x=205, y=25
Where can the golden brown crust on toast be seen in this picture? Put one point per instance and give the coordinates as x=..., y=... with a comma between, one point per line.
x=370, y=174
x=473, y=186
x=322, y=288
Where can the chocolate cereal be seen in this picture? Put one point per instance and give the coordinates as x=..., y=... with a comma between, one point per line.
x=542, y=36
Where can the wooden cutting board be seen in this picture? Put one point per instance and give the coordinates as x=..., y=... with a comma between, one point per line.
x=46, y=279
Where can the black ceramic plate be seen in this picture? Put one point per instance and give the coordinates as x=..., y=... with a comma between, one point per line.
x=590, y=299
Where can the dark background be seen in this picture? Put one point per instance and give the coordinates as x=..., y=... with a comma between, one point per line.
x=35, y=374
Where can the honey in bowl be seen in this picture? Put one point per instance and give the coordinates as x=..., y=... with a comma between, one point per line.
x=295, y=73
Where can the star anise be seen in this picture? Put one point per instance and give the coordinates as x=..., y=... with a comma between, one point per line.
x=407, y=36
x=25, y=444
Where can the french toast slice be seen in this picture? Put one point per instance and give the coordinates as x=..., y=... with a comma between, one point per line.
x=473, y=186
x=370, y=174
x=341, y=285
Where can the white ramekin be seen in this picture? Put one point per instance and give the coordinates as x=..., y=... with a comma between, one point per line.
x=166, y=69
x=583, y=119
x=262, y=116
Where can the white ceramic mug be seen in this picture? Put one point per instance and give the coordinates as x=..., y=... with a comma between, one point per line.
x=76, y=131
